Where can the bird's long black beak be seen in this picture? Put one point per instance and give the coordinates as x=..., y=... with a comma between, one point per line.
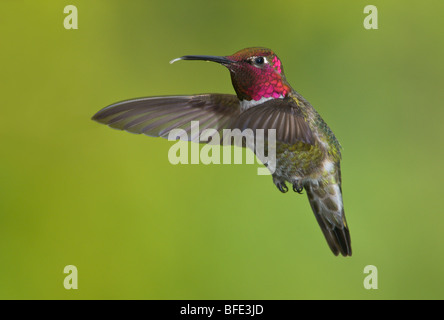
x=221, y=60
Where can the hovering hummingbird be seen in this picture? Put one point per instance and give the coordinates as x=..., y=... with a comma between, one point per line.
x=307, y=152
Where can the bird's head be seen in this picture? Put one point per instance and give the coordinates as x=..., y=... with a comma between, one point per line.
x=256, y=73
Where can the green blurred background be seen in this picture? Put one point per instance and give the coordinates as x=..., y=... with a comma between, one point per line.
x=76, y=192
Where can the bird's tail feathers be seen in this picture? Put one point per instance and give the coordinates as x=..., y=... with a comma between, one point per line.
x=326, y=202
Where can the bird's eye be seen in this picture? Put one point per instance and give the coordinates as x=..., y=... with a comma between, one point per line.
x=259, y=60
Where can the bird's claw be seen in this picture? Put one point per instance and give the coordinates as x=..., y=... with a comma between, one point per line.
x=282, y=187
x=297, y=187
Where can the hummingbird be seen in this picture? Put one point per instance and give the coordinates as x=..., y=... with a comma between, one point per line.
x=308, y=154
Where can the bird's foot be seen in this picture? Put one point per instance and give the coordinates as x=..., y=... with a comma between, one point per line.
x=282, y=187
x=297, y=187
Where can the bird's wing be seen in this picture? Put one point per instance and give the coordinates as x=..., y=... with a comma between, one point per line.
x=283, y=115
x=158, y=116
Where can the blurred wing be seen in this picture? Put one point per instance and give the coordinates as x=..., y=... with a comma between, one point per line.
x=283, y=115
x=158, y=116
